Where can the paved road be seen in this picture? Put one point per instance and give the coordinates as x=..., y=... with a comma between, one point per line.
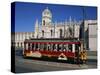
x=36, y=65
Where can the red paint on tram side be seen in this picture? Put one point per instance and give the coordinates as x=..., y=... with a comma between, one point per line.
x=52, y=53
x=53, y=42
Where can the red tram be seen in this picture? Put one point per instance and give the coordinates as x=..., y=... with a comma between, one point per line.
x=62, y=49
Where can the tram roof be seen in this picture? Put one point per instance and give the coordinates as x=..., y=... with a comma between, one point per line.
x=52, y=40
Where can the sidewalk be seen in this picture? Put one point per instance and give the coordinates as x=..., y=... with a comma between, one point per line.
x=92, y=57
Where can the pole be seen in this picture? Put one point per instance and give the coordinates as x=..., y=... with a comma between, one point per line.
x=64, y=30
x=54, y=30
x=84, y=35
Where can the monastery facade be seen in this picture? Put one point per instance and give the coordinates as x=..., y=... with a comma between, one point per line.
x=67, y=29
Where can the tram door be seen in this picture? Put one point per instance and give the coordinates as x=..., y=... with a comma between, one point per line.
x=77, y=51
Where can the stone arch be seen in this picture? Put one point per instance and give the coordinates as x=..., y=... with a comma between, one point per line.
x=42, y=33
x=44, y=22
x=51, y=31
x=61, y=33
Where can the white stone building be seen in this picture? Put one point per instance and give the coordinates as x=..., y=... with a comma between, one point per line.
x=67, y=29
x=19, y=37
x=92, y=25
x=48, y=29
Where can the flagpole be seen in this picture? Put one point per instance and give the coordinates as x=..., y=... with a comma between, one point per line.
x=84, y=33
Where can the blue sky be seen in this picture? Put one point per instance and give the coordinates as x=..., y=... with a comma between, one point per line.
x=27, y=13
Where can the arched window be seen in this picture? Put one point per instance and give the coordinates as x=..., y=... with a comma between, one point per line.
x=44, y=22
x=60, y=33
x=42, y=33
x=70, y=32
x=18, y=44
x=21, y=44
x=51, y=33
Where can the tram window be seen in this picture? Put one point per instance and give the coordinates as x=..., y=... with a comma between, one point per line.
x=45, y=47
x=48, y=46
x=64, y=47
x=76, y=47
x=57, y=47
x=60, y=47
x=28, y=46
x=36, y=46
x=67, y=47
x=32, y=46
x=51, y=46
x=70, y=47
x=41, y=46
x=54, y=47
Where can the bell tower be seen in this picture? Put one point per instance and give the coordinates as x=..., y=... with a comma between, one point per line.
x=46, y=17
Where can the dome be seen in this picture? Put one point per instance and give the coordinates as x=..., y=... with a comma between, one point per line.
x=47, y=12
